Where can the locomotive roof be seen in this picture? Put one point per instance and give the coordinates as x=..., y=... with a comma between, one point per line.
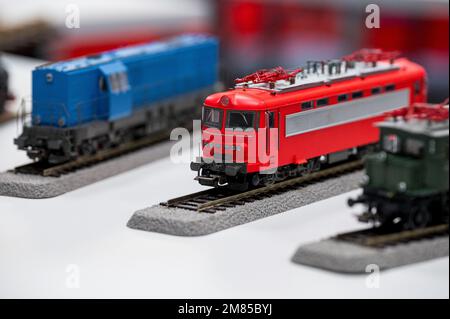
x=419, y=126
x=133, y=51
x=260, y=96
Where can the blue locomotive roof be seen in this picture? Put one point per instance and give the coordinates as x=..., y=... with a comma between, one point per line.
x=128, y=53
x=113, y=84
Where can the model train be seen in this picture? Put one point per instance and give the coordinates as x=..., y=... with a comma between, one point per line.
x=3, y=88
x=93, y=103
x=407, y=181
x=322, y=114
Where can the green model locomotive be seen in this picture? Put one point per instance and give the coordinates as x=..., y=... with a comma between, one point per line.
x=408, y=180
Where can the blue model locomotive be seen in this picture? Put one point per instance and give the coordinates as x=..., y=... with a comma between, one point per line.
x=97, y=102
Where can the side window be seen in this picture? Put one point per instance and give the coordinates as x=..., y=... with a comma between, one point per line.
x=376, y=90
x=357, y=95
x=414, y=147
x=391, y=143
x=342, y=97
x=123, y=82
x=307, y=105
x=119, y=82
x=322, y=102
x=114, y=80
x=390, y=87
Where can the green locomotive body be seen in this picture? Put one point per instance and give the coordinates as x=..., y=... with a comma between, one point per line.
x=408, y=180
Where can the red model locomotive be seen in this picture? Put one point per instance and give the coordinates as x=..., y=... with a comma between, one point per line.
x=311, y=117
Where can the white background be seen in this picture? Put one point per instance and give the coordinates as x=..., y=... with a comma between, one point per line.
x=44, y=244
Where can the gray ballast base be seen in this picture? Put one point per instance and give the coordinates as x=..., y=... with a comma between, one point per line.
x=38, y=187
x=180, y=222
x=346, y=257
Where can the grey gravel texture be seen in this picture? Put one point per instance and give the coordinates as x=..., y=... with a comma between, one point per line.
x=345, y=257
x=180, y=222
x=38, y=187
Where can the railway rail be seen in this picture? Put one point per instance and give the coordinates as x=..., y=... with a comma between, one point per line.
x=50, y=170
x=220, y=199
x=380, y=238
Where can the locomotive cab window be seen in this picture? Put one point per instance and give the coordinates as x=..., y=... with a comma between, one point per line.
x=241, y=120
x=414, y=147
x=119, y=82
x=212, y=117
x=391, y=143
x=123, y=82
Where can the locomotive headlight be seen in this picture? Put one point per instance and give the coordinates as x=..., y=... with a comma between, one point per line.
x=225, y=100
x=365, y=179
x=382, y=156
x=402, y=186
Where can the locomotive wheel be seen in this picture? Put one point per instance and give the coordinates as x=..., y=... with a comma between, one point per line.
x=269, y=180
x=255, y=180
x=87, y=148
x=312, y=166
x=419, y=218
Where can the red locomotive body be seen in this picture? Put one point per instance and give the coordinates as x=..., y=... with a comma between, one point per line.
x=322, y=114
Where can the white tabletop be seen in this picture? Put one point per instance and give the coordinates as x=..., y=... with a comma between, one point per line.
x=77, y=245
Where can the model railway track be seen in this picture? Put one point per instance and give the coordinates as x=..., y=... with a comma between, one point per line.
x=220, y=199
x=49, y=170
x=379, y=238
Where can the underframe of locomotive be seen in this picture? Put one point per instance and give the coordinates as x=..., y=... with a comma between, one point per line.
x=236, y=177
x=59, y=145
x=402, y=211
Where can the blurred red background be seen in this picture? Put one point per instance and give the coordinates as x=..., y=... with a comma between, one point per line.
x=258, y=34
x=254, y=33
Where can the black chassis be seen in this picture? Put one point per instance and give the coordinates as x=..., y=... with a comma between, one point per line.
x=3, y=88
x=383, y=209
x=57, y=145
x=215, y=174
x=219, y=172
